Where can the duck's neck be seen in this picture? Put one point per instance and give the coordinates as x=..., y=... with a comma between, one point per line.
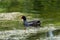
x=24, y=20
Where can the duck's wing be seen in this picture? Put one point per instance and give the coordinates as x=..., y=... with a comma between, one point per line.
x=34, y=21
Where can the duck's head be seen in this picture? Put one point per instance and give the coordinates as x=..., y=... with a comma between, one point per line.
x=24, y=18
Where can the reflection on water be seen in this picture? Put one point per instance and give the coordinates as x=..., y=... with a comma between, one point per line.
x=41, y=33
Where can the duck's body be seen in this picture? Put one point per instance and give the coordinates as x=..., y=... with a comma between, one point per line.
x=34, y=23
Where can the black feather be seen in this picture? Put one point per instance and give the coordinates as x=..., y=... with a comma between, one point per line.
x=34, y=23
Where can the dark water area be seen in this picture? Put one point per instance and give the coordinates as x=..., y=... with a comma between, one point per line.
x=42, y=35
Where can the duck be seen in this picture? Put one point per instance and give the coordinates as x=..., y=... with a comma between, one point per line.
x=34, y=23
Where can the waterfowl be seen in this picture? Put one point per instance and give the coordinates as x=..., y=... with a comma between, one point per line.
x=34, y=23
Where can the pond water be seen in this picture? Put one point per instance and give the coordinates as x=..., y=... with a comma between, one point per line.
x=30, y=34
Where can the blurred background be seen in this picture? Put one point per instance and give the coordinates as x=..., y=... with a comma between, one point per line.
x=47, y=11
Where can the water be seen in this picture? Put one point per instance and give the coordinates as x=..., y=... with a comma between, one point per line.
x=16, y=34
x=23, y=34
